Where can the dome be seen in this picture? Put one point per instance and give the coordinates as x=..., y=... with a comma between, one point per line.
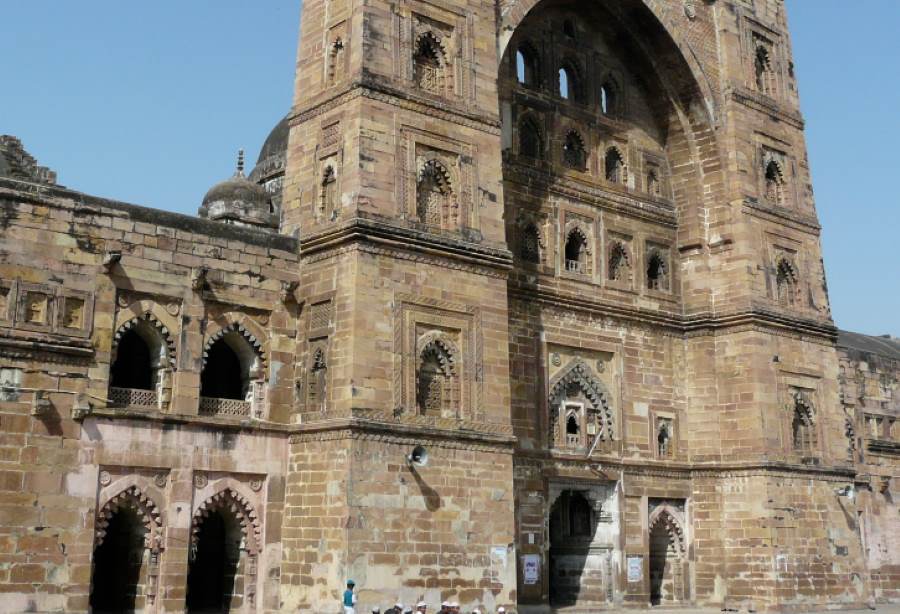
x=269, y=171
x=276, y=143
x=238, y=200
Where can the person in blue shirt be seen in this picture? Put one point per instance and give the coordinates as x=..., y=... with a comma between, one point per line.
x=349, y=600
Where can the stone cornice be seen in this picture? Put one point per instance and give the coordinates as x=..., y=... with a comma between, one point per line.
x=690, y=326
x=399, y=239
x=46, y=348
x=615, y=468
x=763, y=104
x=779, y=215
x=603, y=197
x=376, y=88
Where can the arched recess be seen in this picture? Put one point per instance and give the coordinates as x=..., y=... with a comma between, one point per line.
x=577, y=391
x=141, y=362
x=803, y=424
x=667, y=564
x=127, y=545
x=682, y=107
x=226, y=537
x=234, y=366
x=435, y=199
x=437, y=376
x=577, y=250
x=786, y=282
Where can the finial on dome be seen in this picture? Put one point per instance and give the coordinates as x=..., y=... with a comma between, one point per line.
x=240, y=163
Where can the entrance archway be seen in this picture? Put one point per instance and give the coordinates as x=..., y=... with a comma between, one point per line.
x=572, y=572
x=215, y=557
x=118, y=563
x=667, y=581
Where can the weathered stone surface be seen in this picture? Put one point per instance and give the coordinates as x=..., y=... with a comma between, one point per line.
x=600, y=308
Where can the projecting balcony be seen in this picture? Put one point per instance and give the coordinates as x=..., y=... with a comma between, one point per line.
x=133, y=397
x=223, y=407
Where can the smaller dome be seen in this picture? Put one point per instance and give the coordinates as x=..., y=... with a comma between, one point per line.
x=276, y=143
x=239, y=201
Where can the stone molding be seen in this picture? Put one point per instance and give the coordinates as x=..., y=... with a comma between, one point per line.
x=376, y=90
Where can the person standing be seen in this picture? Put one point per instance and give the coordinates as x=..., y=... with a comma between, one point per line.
x=349, y=600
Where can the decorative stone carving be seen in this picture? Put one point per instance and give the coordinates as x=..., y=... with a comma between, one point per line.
x=200, y=480
x=105, y=478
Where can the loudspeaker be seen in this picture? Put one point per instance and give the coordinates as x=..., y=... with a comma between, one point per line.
x=418, y=456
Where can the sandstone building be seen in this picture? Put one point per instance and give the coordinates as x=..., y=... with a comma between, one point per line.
x=568, y=248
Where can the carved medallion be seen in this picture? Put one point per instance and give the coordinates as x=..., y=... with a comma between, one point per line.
x=200, y=480
x=555, y=359
x=690, y=10
x=160, y=479
x=173, y=308
x=256, y=484
x=123, y=299
x=105, y=478
x=601, y=366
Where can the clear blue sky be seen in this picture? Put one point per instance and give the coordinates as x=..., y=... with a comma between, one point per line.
x=148, y=102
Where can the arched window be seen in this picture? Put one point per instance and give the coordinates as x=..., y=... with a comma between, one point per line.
x=803, y=433
x=231, y=363
x=653, y=187
x=429, y=64
x=764, y=71
x=531, y=144
x=785, y=282
x=574, y=154
x=529, y=248
x=573, y=430
x=437, y=384
x=140, y=359
x=608, y=98
x=664, y=447
x=657, y=271
x=569, y=83
x=328, y=194
x=335, y=61
x=434, y=197
x=774, y=183
x=315, y=392
x=614, y=166
x=619, y=262
x=527, y=65
x=576, y=252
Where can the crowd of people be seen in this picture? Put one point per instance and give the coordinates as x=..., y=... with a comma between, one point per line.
x=447, y=607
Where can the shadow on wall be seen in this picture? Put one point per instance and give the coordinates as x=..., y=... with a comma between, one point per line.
x=432, y=498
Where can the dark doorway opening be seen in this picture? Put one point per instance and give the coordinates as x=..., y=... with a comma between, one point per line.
x=572, y=526
x=133, y=367
x=223, y=376
x=214, y=564
x=117, y=564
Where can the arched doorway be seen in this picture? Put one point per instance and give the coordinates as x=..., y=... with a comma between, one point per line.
x=214, y=562
x=667, y=573
x=118, y=563
x=574, y=572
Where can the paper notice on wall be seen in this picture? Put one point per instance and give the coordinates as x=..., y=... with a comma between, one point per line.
x=498, y=556
x=531, y=568
x=635, y=568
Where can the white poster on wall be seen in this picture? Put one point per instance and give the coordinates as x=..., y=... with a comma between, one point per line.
x=531, y=568
x=635, y=568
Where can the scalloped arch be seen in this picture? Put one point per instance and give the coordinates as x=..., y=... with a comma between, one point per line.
x=429, y=38
x=168, y=342
x=580, y=373
x=230, y=500
x=145, y=507
x=671, y=524
x=439, y=172
x=447, y=351
x=242, y=328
